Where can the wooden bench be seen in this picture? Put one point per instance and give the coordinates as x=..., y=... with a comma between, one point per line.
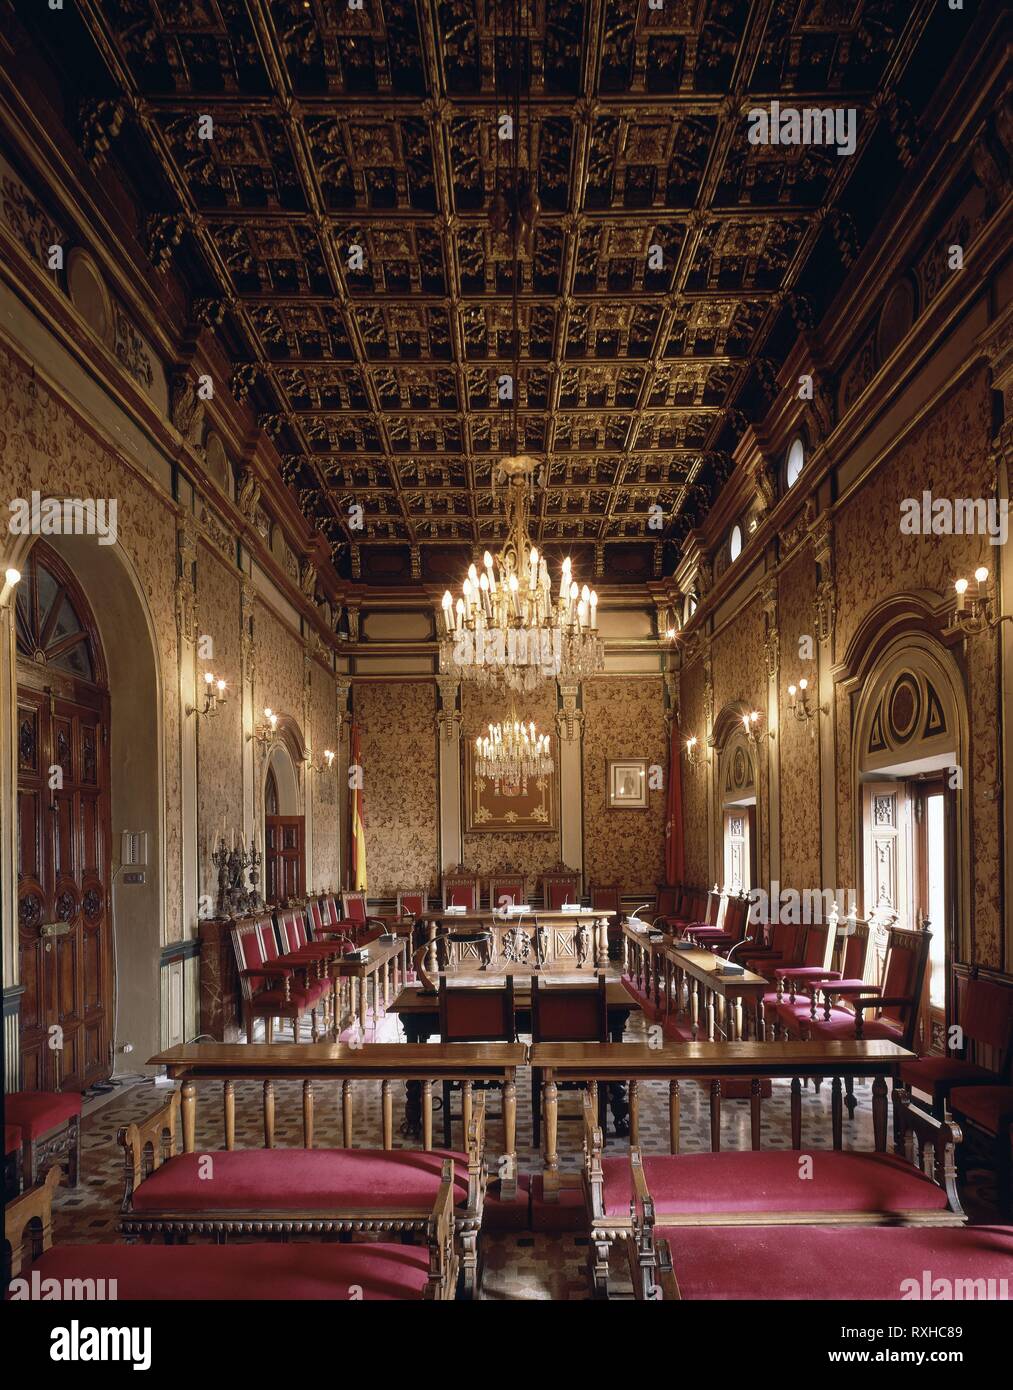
x=777, y=1187
x=300, y=1272
x=804, y=1262
x=307, y=1190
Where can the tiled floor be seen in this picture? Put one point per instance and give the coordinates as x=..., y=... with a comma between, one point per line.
x=517, y=1265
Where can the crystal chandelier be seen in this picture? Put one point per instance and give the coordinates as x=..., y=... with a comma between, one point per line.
x=509, y=628
x=511, y=753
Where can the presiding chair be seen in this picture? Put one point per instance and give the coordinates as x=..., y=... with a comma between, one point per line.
x=473, y=1013
x=560, y=885
x=461, y=889
x=566, y=1013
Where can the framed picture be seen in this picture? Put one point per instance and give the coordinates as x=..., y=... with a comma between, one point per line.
x=495, y=807
x=627, y=784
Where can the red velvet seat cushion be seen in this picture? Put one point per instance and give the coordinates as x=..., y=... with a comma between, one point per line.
x=929, y=1072
x=300, y=1180
x=833, y=1262
x=244, y=1272
x=842, y=1025
x=13, y=1138
x=37, y=1112
x=988, y=1106
x=768, y=1181
x=301, y=998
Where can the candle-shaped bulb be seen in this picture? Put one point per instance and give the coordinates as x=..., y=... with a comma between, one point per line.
x=803, y=684
x=208, y=677
x=981, y=574
x=961, y=586
x=487, y=560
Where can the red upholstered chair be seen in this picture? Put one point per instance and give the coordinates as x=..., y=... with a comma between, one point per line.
x=270, y=988
x=710, y=923
x=461, y=889
x=50, y=1125
x=785, y=949
x=692, y=908
x=606, y=897
x=561, y=885
x=474, y=1013
x=329, y=910
x=851, y=958
x=356, y=920
x=412, y=902
x=506, y=890
x=893, y=1006
x=734, y=923
x=990, y=1110
x=985, y=1015
x=565, y=1013
x=788, y=1009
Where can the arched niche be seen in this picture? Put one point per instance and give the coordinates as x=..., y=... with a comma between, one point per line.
x=282, y=833
x=137, y=780
x=736, y=799
x=280, y=765
x=909, y=720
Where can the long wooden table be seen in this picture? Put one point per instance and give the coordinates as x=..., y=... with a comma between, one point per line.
x=713, y=1062
x=538, y=935
x=419, y=1011
x=420, y=1066
x=386, y=967
x=730, y=1004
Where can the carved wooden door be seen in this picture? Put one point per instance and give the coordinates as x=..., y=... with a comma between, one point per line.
x=283, y=851
x=64, y=914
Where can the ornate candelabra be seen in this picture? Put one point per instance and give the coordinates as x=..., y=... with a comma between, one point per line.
x=236, y=897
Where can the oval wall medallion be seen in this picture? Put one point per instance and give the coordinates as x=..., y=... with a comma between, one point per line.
x=904, y=707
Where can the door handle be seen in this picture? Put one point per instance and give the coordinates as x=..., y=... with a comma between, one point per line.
x=55, y=929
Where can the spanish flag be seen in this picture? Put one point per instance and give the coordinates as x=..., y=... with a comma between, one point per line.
x=357, y=818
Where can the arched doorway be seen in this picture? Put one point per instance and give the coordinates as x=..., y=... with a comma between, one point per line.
x=64, y=841
x=736, y=800
x=910, y=749
x=284, y=823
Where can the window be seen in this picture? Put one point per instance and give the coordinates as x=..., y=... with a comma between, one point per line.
x=794, y=462
x=735, y=543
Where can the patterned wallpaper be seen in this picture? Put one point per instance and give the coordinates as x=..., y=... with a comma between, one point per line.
x=325, y=790
x=948, y=456
x=397, y=724
x=43, y=446
x=220, y=739
x=624, y=717
x=279, y=668
x=694, y=779
x=739, y=673
x=532, y=853
x=796, y=748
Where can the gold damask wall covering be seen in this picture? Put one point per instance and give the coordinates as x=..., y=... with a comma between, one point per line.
x=531, y=853
x=219, y=739
x=694, y=779
x=798, y=751
x=739, y=674
x=624, y=717
x=397, y=733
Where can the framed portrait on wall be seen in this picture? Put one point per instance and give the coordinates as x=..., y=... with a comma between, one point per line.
x=494, y=807
x=626, y=784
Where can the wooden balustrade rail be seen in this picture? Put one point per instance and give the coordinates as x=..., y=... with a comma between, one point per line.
x=341, y=1063
x=713, y=1062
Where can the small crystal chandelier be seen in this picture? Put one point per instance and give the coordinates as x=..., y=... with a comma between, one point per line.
x=508, y=629
x=511, y=753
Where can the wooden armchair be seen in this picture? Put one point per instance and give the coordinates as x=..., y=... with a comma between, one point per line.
x=473, y=1013
x=356, y=920
x=984, y=1014
x=566, y=1013
x=893, y=1005
x=461, y=889
x=506, y=889
x=791, y=1017
x=272, y=988
x=712, y=921
x=560, y=885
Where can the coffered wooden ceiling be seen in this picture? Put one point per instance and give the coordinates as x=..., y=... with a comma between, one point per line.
x=336, y=127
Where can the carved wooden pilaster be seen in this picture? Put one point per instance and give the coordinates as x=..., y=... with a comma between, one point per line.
x=825, y=610
x=569, y=717
x=772, y=639
x=448, y=716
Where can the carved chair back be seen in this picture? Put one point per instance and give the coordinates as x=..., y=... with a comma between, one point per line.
x=477, y=1013
x=461, y=889
x=505, y=890
x=561, y=885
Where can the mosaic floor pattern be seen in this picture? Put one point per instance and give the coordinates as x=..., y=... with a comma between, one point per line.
x=516, y=1264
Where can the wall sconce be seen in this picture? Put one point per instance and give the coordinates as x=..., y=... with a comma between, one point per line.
x=798, y=705
x=327, y=763
x=12, y=578
x=751, y=722
x=266, y=729
x=975, y=611
x=694, y=755
x=214, y=697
